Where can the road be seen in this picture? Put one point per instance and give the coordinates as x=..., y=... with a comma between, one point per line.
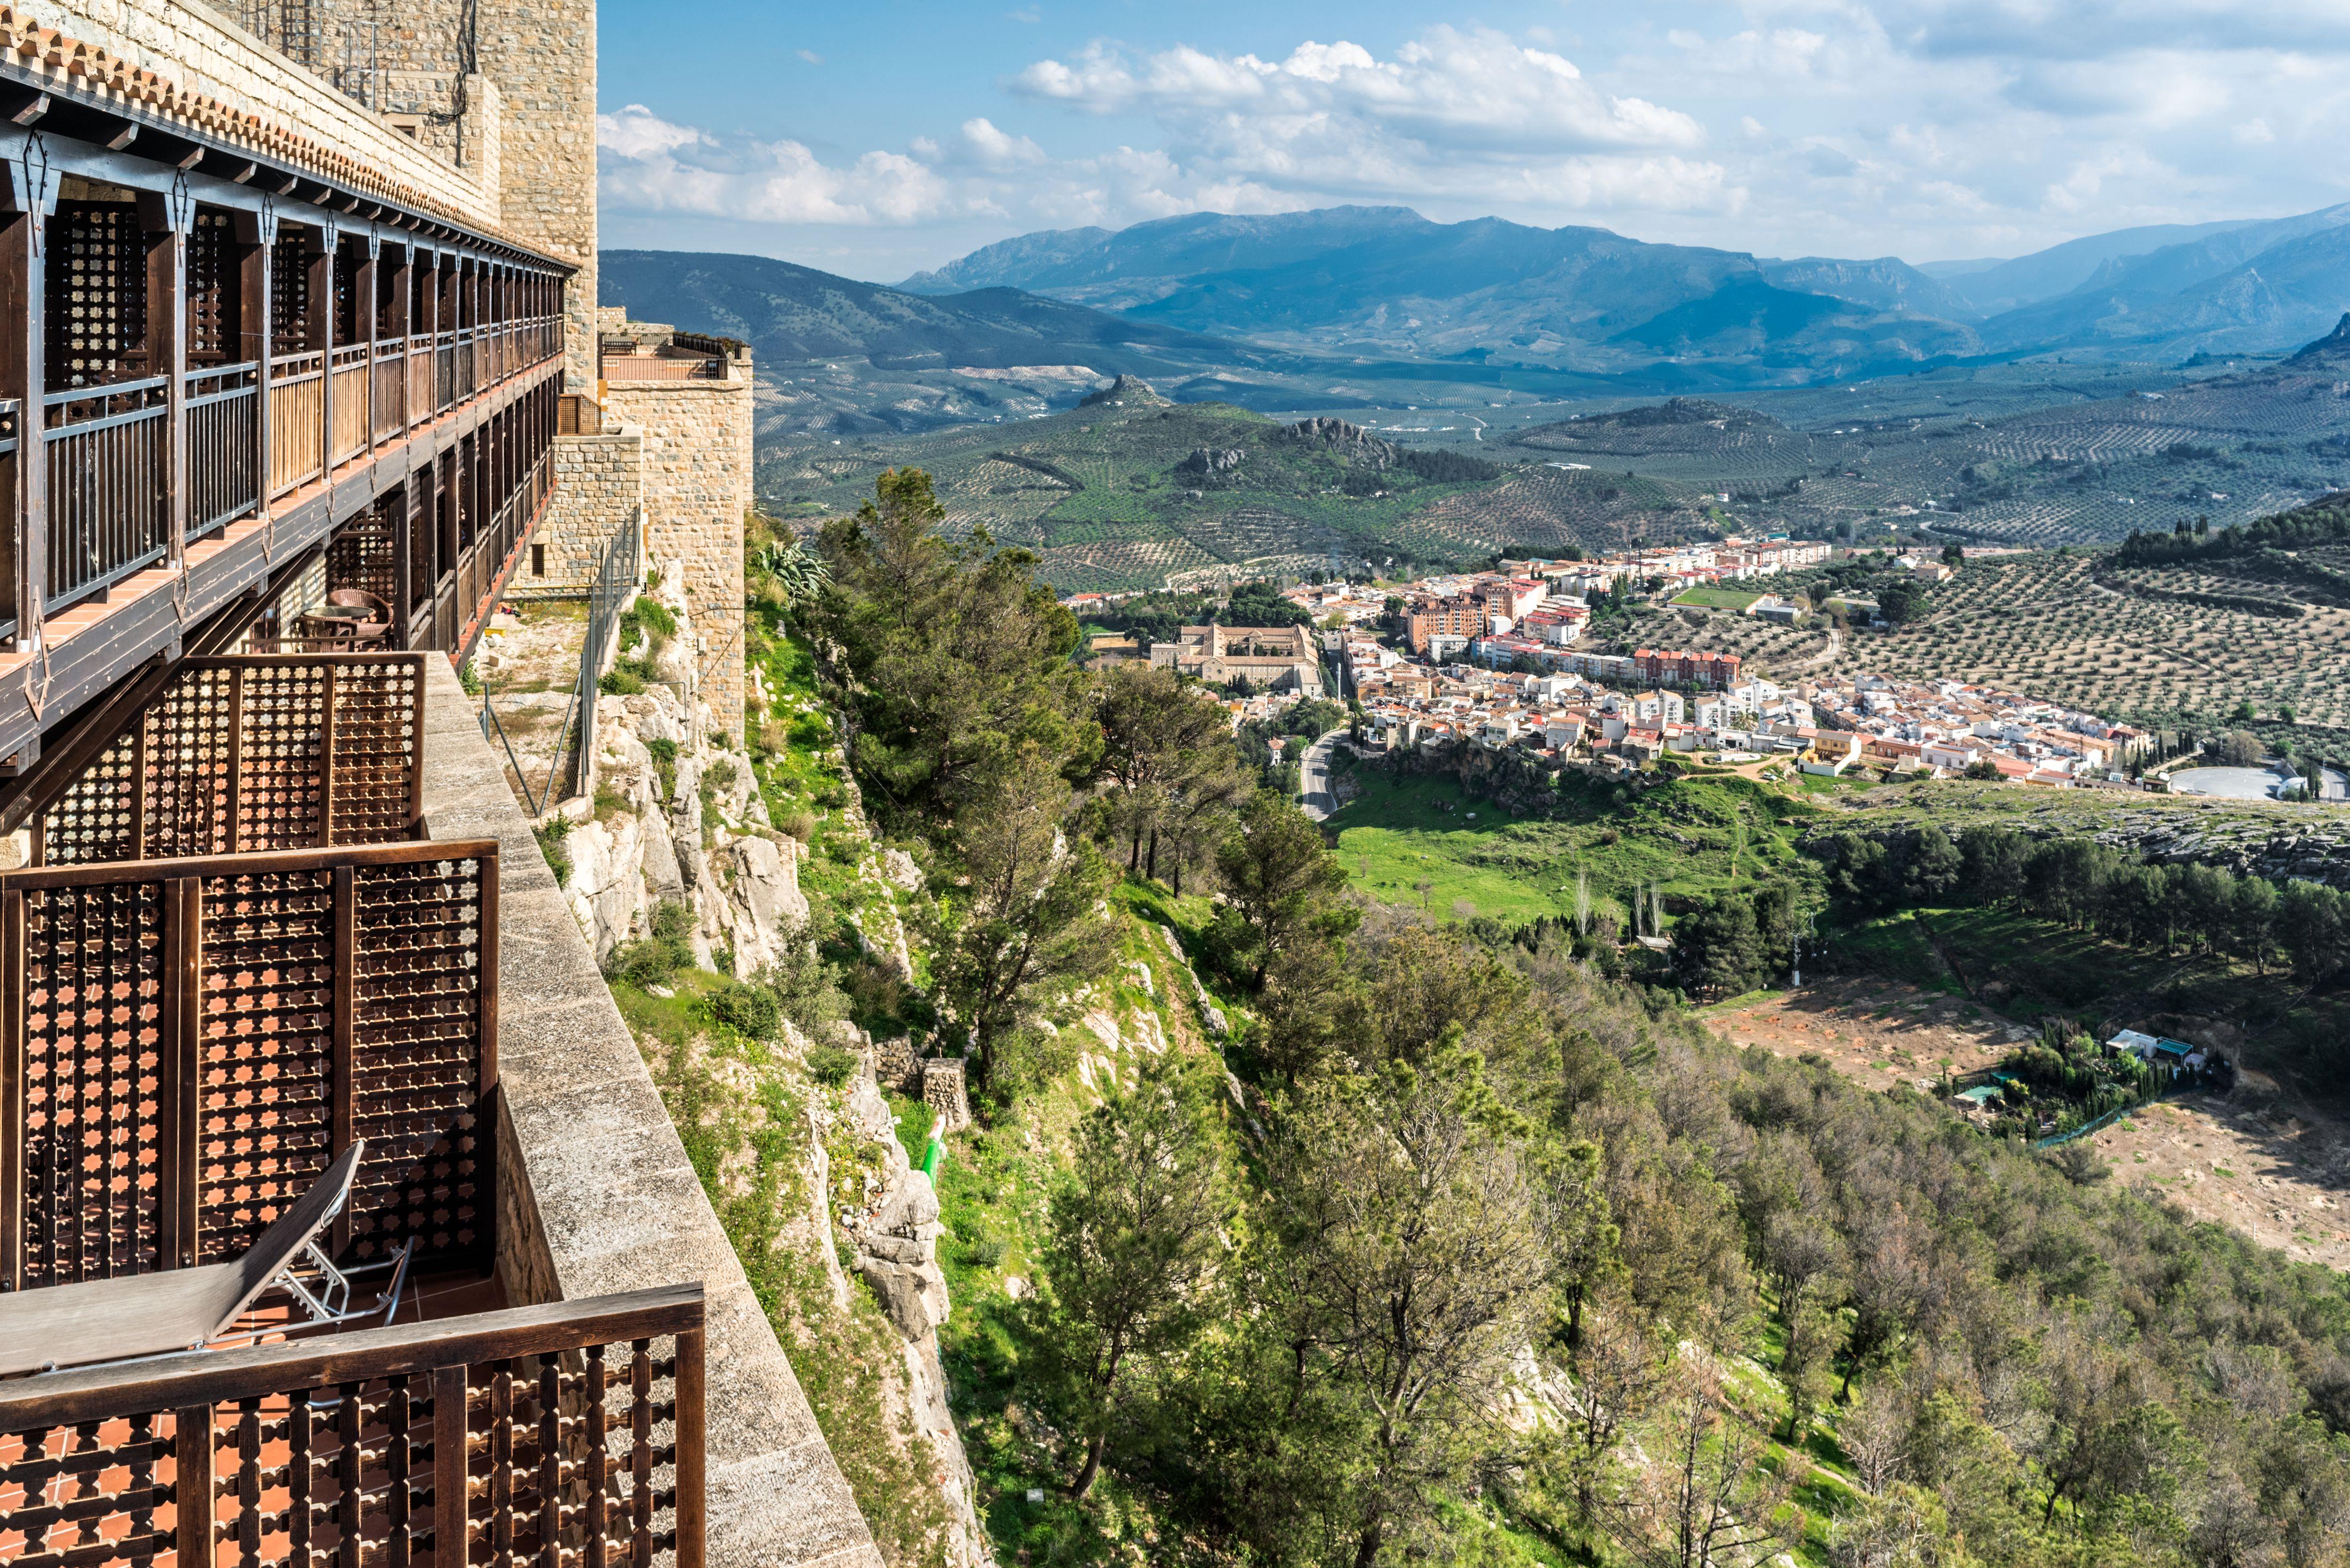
x=1314, y=777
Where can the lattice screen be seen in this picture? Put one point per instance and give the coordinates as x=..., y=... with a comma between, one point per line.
x=97, y=284
x=505, y=1443
x=250, y=753
x=214, y=291
x=334, y=995
x=289, y=292
x=365, y=552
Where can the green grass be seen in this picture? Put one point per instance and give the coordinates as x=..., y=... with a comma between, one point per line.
x=1686, y=837
x=1718, y=598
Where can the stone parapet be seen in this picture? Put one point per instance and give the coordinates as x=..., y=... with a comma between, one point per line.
x=596, y=1194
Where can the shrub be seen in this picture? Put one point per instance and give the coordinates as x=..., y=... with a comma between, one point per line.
x=550, y=835
x=621, y=681
x=829, y=1064
x=800, y=825
x=752, y=1009
x=654, y=958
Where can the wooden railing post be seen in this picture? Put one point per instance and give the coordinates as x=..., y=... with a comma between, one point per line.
x=451, y=1510
x=261, y=338
x=342, y=1088
x=322, y=338
x=363, y=321
x=167, y=220
x=179, y=1067
x=35, y=191
x=692, y=1416
x=486, y=990
x=326, y=756
x=12, y=1090
x=192, y=1484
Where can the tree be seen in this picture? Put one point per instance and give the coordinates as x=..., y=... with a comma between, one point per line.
x=1708, y=1500
x=1137, y=1216
x=2235, y=749
x=1416, y=1230
x=2310, y=918
x=949, y=655
x=1022, y=913
x=1717, y=951
x=1167, y=758
x=1281, y=883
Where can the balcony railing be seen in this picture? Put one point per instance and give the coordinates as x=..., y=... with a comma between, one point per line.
x=389, y=389
x=223, y=406
x=444, y=371
x=564, y=1435
x=297, y=420
x=350, y=403
x=105, y=454
x=420, y=379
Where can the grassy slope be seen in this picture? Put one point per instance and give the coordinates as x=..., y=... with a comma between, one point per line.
x=1685, y=836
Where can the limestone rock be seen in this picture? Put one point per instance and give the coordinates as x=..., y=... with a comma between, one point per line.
x=898, y=868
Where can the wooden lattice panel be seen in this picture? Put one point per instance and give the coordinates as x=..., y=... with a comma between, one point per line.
x=249, y=753
x=90, y=1491
x=289, y=293
x=96, y=284
x=281, y=746
x=94, y=1097
x=196, y=1040
x=418, y=1061
x=364, y=552
x=572, y=1434
x=214, y=291
x=265, y=1048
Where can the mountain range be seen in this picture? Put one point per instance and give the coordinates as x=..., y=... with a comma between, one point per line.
x=1387, y=280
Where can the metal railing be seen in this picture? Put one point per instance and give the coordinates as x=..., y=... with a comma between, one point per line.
x=615, y=585
x=107, y=490
x=297, y=419
x=223, y=405
x=568, y=1436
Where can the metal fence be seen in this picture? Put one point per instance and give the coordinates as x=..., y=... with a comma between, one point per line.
x=616, y=581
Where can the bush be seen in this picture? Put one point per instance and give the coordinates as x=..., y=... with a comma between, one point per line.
x=550, y=835
x=799, y=824
x=751, y=1010
x=655, y=958
x=621, y=681
x=831, y=1065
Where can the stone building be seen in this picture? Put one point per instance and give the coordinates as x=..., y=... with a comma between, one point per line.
x=1270, y=658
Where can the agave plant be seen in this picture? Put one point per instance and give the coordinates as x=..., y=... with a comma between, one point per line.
x=797, y=570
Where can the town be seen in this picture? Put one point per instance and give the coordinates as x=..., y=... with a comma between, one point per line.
x=1492, y=659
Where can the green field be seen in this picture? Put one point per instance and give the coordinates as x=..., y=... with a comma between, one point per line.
x=1691, y=838
x=1717, y=598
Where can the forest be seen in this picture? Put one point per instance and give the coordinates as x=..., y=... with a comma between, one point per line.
x=1457, y=1250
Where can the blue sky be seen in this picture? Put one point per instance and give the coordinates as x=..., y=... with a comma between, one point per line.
x=878, y=139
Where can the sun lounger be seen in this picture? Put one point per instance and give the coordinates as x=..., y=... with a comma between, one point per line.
x=173, y=1311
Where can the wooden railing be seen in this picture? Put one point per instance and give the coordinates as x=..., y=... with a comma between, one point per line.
x=445, y=371
x=565, y=1436
x=224, y=408
x=350, y=404
x=297, y=419
x=105, y=454
x=420, y=379
x=185, y=1046
x=389, y=388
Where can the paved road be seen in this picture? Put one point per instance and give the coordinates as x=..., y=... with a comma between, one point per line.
x=1314, y=777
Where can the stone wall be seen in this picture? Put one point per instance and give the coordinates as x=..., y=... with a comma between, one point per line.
x=697, y=466
x=198, y=48
x=599, y=480
x=595, y=1191
x=542, y=55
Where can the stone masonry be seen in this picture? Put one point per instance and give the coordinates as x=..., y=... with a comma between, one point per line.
x=599, y=480
x=697, y=489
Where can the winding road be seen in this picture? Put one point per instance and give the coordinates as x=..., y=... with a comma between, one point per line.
x=1314, y=777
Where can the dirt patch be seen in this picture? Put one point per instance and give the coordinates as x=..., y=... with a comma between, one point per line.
x=1876, y=1033
x=2281, y=1179
x=529, y=666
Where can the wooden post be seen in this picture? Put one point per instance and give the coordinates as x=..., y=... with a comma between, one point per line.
x=691, y=1421
x=192, y=1483
x=167, y=220
x=322, y=338
x=257, y=277
x=24, y=375
x=12, y=1090
x=486, y=993
x=327, y=758
x=180, y=1076
x=451, y=1539
x=363, y=321
x=340, y=1128
x=403, y=326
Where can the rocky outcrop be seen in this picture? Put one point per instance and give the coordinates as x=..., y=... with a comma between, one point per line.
x=1356, y=445
x=1126, y=391
x=1209, y=461
x=893, y=1237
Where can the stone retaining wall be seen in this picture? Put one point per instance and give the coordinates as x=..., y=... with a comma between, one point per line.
x=595, y=1191
x=599, y=480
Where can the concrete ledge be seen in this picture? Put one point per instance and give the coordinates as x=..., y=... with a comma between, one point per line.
x=595, y=1191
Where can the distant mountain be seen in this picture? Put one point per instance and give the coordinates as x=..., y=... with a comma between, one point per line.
x=1992, y=286
x=2253, y=288
x=795, y=313
x=1888, y=283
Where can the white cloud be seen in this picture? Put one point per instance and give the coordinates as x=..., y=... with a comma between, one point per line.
x=811, y=57
x=647, y=164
